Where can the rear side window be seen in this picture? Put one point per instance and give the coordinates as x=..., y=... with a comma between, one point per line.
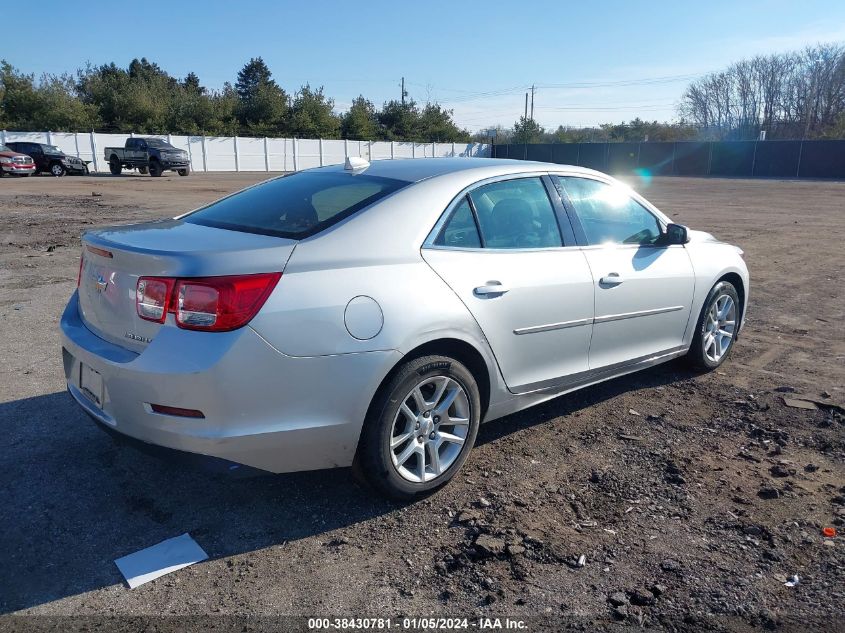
x=296, y=206
x=516, y=214
x=460, y=231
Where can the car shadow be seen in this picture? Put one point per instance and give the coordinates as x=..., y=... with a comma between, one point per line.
x=74, y=500
x=658, y=376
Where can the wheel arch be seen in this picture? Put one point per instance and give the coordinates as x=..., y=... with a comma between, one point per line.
x=464, y=352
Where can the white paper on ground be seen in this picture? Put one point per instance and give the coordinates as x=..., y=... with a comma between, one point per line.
x=158, y=560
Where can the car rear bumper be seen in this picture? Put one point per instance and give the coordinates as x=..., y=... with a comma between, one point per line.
x=262, y=408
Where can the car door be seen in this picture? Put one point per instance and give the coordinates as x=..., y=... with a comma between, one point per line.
x=643, y=290
x=33, y=150
x=135, y=150
x=500, y=249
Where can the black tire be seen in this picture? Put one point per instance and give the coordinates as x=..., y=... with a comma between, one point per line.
x=57, y=169
x=697, y=356
x=373, y=460
x=142, y=170
x=114, y=166
x=185, y=172
x=86, y=171
x=155, y=169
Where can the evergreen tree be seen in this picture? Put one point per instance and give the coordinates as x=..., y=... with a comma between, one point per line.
x=360, y=122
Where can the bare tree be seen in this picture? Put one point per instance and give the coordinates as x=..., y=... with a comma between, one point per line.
x=789, y=95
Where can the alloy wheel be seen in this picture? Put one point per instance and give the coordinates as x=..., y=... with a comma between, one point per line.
x=719, y=328
x=430, y=429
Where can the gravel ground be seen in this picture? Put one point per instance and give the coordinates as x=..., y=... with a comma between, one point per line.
x=689, y=500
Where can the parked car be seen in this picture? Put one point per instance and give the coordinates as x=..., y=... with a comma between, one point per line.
x=50, y=159
x=148, y=154
x=374, y=315
x=15, y=163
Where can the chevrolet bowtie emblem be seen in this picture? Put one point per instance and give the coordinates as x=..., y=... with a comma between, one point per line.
x=102, y=283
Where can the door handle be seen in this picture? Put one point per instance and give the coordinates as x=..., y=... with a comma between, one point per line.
x=611, y=279
x=491, y=288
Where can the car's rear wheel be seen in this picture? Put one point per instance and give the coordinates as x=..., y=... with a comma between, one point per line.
x=115, y=167
x=142, y=170
x=185, y=172
x=717, y=327
x=420, y=428
x=58, y=170
x=155, y=169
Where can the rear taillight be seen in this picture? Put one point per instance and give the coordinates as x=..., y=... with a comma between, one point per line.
x=152, y=296
x=213, y=304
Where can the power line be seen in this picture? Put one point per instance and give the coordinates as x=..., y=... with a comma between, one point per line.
x=643, y=81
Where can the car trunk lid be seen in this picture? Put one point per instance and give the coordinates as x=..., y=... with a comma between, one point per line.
x=114, y=258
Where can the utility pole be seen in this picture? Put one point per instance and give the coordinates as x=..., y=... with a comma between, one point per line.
x=532, y=102
x=403, y=91
x=526, y=107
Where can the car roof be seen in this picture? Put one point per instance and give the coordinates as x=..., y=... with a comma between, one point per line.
x=417, y=169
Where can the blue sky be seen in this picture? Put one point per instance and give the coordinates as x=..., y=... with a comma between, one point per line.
x=474, y=57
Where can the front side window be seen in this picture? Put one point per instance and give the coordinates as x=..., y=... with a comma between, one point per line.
x=516, y=214
x=296, y=206
x=608, y=214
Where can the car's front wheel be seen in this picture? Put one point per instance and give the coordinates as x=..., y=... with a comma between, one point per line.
x=420, y=428
x=717, y=327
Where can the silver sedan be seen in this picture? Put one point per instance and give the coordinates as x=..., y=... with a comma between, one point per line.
x=374, y=315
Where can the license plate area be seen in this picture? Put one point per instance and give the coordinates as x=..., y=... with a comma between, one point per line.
x=91, y=384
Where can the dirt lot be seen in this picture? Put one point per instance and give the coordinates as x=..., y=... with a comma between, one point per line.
x=692, y=497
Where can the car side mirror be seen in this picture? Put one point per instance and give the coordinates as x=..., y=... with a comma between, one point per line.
x=674, y=234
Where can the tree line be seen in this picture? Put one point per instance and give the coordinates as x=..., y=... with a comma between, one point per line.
x=791, y=95
x=527, y=130
x=794, y=95
x=144, y=98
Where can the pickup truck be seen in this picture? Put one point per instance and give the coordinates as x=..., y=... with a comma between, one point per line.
x=152, y=155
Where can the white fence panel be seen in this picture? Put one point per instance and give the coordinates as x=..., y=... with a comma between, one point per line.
x=403, y=150
x=280, y=154
x=220, y=153
x=227, y=153
x=251, y=154
x=380, y=150
x=334, y=152
x=308, y=153
x=25, y=137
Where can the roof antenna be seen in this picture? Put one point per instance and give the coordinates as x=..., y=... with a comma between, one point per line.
x=355, y=163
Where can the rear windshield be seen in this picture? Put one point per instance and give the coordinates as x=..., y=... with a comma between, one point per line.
x=296, y=206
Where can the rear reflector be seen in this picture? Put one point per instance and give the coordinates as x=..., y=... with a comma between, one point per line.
x=212, y=304
x=177, y=411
